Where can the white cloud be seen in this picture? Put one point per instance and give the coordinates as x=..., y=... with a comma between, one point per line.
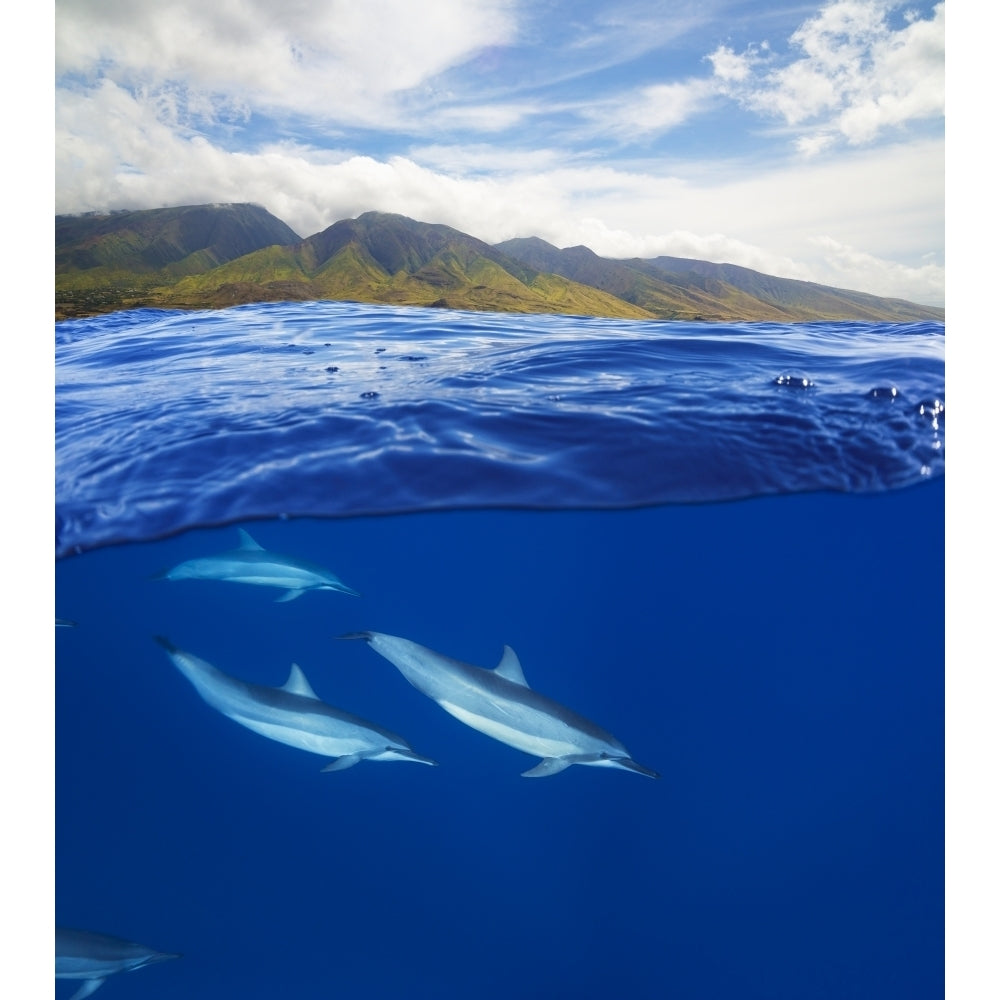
x=857, y=75
x=858, y=269
x=651, y=110
x=811, y=145
x=486, y=118
x=469, y=159
x=729, y=66
x=717, y=247
x=338, y=58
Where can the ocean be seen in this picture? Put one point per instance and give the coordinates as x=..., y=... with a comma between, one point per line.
x=722, y=543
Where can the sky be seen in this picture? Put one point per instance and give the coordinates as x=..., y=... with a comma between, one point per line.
x=801, y=139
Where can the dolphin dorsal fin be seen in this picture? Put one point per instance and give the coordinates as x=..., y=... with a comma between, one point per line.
x=297, y=683
x=509, y=667
x=246, y=542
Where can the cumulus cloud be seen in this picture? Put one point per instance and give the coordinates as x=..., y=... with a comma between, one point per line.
x=338, y=59
x=853, y=268
x=732, y=67
x=856, y=76
x=850, y=73
x=717, y=247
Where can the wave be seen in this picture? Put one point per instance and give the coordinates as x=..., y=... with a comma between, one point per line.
x=169, y=420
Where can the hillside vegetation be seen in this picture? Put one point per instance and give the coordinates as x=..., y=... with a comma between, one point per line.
x=211, y=256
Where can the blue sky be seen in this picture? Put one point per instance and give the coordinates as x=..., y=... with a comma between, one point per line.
x=802, y=139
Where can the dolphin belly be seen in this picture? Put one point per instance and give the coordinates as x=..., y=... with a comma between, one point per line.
x=537, y=744
x=324, y=744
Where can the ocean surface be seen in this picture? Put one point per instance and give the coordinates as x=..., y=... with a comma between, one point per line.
x=722, y=543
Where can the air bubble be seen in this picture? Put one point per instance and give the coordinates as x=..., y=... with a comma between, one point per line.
x=883, y=392
x=794, y=381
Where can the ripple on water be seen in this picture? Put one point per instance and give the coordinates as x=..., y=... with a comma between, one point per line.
x=166, y=421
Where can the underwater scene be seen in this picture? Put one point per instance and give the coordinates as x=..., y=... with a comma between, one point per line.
x=420, y=653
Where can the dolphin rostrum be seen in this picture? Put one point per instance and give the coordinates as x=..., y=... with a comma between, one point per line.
x=500, y=703
x=251, y=563
x=293, y=714
x=93, y=957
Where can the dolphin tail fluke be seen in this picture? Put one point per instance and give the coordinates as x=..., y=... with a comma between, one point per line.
x=88, y=987
x=288, y=595
x=550, y=765
x=344, y=589
x=356, y=635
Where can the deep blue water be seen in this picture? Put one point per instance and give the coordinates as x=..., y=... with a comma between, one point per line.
x=738, y=574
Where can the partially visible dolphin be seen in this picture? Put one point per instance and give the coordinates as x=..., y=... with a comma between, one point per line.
x=500, y=704
x=251, y=563
x=293, y=714
x=93, y=957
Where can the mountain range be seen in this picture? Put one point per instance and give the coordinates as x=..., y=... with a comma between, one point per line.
x=209, y=256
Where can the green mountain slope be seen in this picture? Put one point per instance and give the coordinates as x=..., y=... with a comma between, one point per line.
x=391, y=259
x=806, y=299
x=111, y=260
x=207, y=256
x=664, y=296
x=681, y=288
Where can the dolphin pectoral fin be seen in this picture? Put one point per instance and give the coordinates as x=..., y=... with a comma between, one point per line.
x=88, y=987
x=288, y=595
x=348, y=760
x=553, y=765
x=550, y=765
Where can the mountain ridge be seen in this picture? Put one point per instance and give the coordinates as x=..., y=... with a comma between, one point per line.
x=212, y=256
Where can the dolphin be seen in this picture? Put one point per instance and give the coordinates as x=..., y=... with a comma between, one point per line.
x=93, y=957
x=251, y=563
x=293, y=714
x=500, y=704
